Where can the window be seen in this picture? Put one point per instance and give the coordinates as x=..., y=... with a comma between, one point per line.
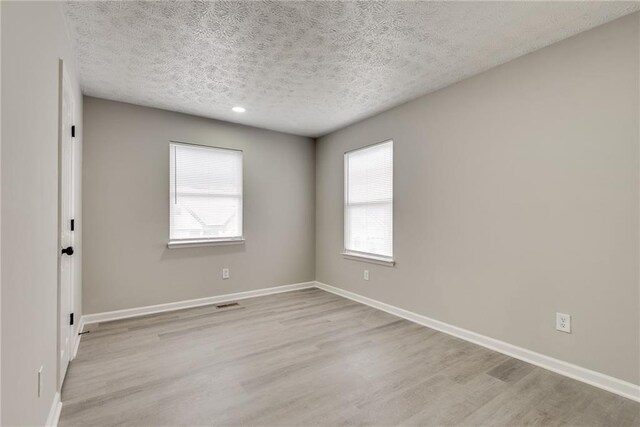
x=368, y=203
x=205, y=195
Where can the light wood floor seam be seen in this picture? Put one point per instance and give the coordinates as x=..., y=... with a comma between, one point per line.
x=306, y=358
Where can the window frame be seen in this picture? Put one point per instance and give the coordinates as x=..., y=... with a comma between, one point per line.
x=207, y=241
x=358, y=255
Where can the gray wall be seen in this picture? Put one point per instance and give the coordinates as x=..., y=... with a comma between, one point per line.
x=34, y=38
x=126, y=209
x=516, y=196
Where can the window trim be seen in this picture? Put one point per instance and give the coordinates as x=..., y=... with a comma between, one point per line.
x=192, y=243
x=367, y=257
x=197, y=242
x=357, y=255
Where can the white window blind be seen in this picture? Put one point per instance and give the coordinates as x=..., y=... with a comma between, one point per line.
x=368, y=207
x=206, y=194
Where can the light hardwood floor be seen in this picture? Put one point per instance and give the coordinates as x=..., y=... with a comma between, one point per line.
x=312, y=358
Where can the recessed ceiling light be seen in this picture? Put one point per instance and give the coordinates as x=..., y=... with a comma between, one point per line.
x=239, y=109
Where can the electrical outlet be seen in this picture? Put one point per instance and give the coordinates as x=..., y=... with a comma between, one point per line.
x=563, y=322
x=225, y=273
x=365, y=276
x=40, y=380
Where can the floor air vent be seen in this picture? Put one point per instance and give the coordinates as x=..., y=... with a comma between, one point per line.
x=230, y=304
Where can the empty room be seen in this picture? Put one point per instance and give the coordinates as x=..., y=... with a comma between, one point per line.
x=320, y=213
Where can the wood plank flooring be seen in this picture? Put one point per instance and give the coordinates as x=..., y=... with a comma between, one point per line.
x=312, y=358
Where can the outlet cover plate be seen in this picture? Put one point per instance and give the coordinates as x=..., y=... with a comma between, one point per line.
x=563, y=322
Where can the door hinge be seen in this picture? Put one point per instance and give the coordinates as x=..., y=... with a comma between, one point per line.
x=73, y=225
x=71, y=319
x=73, y=131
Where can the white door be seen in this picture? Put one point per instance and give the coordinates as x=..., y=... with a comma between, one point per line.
x=65, y=341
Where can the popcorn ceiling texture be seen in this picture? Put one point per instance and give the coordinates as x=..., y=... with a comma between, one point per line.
x=306, y=68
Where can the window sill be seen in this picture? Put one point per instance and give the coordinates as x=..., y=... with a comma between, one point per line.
x=204, y=242
x=373, y=259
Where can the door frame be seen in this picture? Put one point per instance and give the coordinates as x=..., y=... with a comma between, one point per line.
x=65, y=85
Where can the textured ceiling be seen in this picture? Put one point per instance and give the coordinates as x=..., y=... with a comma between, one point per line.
x=306, y=67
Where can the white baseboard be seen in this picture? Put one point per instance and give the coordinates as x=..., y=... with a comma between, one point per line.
x=152, y=309
x=597, y=379
x=54, y=413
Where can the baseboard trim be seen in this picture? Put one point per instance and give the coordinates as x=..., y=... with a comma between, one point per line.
x=596, y=379
x=172, y=306
x=54, y=412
